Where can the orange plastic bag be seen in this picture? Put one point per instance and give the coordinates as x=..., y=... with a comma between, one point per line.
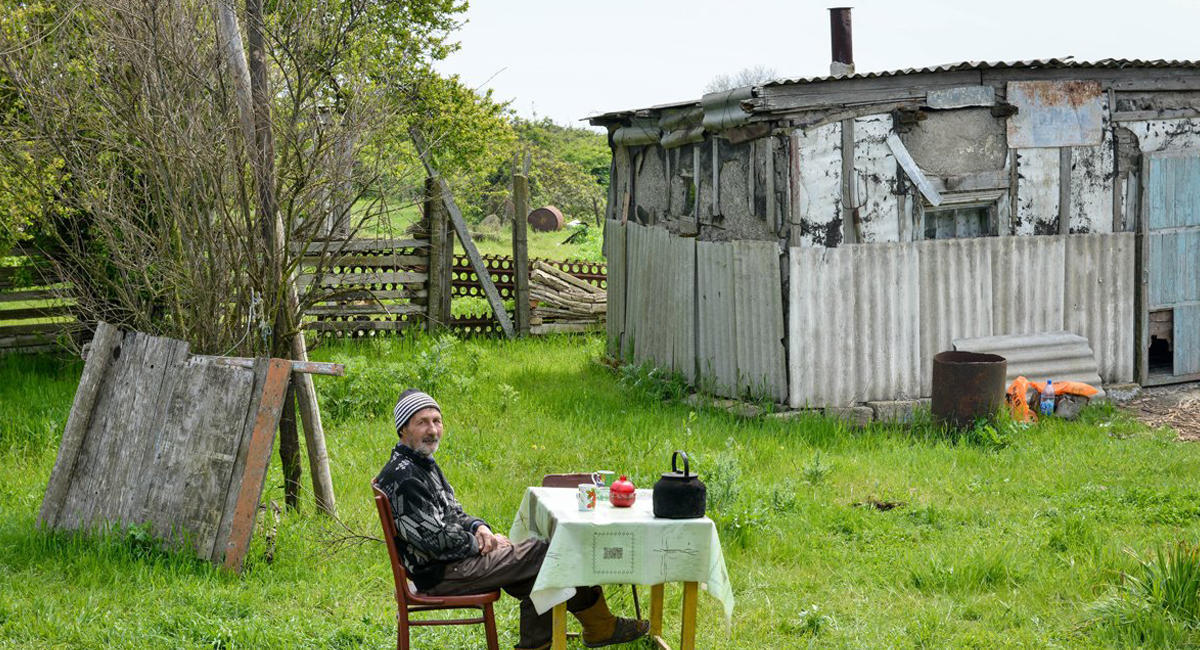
x=1019, y=388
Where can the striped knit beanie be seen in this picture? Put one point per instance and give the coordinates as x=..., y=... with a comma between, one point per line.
x=411, y=401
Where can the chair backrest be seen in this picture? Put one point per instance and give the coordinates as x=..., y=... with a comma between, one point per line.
x=566, y=480
x=404, y=589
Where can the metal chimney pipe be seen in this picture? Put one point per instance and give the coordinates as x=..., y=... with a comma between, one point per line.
x=841, y=42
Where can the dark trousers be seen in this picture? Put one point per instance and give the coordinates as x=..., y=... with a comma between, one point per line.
x=514, y=569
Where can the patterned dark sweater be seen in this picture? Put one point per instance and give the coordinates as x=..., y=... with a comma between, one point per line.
x=432, y=529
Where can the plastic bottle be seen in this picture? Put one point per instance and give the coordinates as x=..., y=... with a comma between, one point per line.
x=1047, y=404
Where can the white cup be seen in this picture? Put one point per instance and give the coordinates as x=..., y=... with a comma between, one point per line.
x=586, y=496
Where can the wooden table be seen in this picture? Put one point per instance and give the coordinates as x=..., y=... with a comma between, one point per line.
x=620, y=546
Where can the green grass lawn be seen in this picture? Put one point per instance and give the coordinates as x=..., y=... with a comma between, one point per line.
x=993, y=545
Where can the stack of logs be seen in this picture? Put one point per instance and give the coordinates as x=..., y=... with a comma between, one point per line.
x=563, y=302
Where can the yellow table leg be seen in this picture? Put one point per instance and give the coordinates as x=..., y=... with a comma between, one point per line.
x=656, y=610
x=559, y=639
x=688, y=638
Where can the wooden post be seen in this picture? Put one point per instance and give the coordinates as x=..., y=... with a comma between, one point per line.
x=289, y=449
x=656, y=610
x=253, y=98
x=687, y=639
x=558, y=634
x=441, y=258
x=464, y=236
x=520, y=242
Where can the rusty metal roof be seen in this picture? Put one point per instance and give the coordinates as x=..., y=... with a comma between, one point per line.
x=1001, y=65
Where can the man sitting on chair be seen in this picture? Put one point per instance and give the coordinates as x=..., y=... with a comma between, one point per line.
x=448, y=552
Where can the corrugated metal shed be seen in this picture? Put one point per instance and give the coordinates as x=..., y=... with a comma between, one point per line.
x=1040, y=356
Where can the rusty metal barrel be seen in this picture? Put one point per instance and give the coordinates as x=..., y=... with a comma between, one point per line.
x=546, y=219
x=967, y=386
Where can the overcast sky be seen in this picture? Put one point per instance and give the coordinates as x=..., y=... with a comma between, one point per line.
x=568, y=59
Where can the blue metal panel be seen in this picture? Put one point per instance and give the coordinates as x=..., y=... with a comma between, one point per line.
x=1174, y=264
x=1187, y=340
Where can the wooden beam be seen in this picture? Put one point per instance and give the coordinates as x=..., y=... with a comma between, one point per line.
x=688, y=619
x=464, y=236
x=849, y=232
x=100, y=357
x=1064, y=190
x=441, y=258
x=258, y=458
x=1141, y=286
x=343, y=246
x=520, y=245
x=314, y=367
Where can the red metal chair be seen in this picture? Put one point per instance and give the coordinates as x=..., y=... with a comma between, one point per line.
x=409, y=600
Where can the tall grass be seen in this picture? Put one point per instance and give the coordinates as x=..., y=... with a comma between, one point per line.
x=993, y=545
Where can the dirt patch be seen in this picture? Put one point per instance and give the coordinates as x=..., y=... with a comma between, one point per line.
x=1177, y=407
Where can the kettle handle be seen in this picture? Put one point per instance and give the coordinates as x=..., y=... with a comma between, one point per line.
x=675, y=455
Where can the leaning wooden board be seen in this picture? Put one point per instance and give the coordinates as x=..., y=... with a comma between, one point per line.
x=176, y=444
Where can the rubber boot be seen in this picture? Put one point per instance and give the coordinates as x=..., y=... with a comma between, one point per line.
x=601, y=628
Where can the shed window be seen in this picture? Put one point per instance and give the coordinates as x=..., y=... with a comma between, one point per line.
x=959, y=221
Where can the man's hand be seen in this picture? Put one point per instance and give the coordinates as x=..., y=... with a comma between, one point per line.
x=489, y=541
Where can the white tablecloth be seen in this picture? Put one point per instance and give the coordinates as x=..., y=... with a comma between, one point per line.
x=617, y=546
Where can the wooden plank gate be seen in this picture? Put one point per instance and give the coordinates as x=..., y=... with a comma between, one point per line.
x=34, y=315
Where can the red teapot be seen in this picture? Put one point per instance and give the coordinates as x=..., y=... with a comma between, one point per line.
x=622, y=493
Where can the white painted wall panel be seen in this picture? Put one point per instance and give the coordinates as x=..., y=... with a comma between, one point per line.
x=1166, y=135
x=875, y=179
x=1037, y=191
x=818, y=189
x=1092, y=186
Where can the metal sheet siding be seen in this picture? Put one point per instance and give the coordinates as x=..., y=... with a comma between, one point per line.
x=854, y=314
x=1045, y=355
x=956, y=296
x=865, y=320
x=682, y=295
x=615, y=257
x=716, y=351
x=758, y=309
x=1027, y=284
x=1099, y=277
x=636, y=290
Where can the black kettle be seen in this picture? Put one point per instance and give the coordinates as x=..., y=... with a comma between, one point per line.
x=679, y=495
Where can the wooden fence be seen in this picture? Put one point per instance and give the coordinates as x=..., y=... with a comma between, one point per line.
x=371, y=286
x=33, y=314
x=465, y=283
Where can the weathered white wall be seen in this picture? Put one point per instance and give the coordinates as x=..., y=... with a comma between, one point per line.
x=876, y=177
x=817, y=185
x=1037, y=191
x=1166, y=135
x=1092, y=183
